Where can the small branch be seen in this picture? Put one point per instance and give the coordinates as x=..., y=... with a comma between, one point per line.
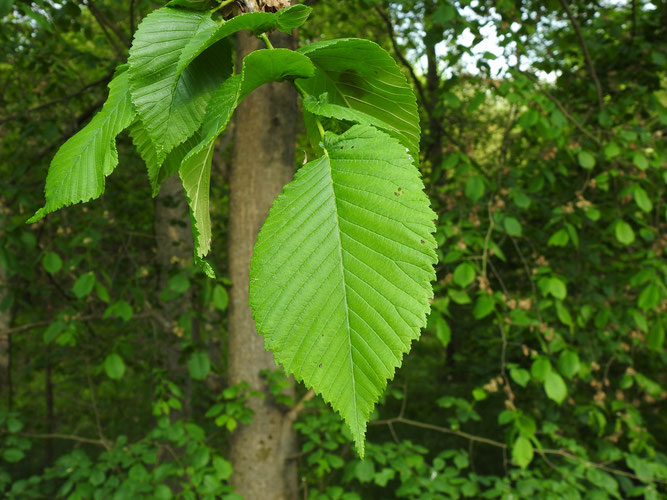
x=67, y=437
x=587, y=55
x=436, y=428
x=498, y=444
x=112, y=41
x=401, y=57
x=93, y=400
x=485, y=251
x=119, y=34
x=47, y=322
x=560, y=106
x=299, y=407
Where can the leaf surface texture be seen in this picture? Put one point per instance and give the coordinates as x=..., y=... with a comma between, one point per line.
x=340, y=275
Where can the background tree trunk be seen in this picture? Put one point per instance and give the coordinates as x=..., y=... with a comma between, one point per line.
x=262, y=163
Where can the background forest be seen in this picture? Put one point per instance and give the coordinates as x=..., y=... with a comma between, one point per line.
x=541, y=373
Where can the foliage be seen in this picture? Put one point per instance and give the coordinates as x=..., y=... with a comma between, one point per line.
x=541, y=369
x=170, y=84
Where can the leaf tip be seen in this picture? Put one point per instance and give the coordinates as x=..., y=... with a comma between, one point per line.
x=39, y=215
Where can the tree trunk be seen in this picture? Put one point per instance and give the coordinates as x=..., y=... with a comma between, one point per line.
x=262, y=163
x=173, y=235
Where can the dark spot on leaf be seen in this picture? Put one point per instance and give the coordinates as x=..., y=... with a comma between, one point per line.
x=422, y=241
x=320, y=365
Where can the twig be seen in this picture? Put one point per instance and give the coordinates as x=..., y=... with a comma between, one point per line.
x=293, y=414
x=498, y=444
x=68, y=437
x=112, y=41
x=47, y=322
x=587, y=55
x=485, y=251
x=119, y=34
x=401, y=57
x=93, y=400
x=560, y=106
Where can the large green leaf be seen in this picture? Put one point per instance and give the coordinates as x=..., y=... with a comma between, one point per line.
x=340, y=275
x=171, y=98
x=78, y=169
x=258, y=67
x=362, y=83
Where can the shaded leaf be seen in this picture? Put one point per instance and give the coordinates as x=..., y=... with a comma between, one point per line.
x=114, y=366
x=360, y=75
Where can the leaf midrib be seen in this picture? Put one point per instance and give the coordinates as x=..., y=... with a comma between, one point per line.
x=348, y=330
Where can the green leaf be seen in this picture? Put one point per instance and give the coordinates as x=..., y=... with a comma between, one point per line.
x=624, y=232
x=222, y=468
x=442, y=330
x=520, y=376
x=259, y=67
x=179, y=283
x=568, y=363
x=557, y=288
x=540, y=368
x=78, y=169
x=642, y=200
x=169, y=87
x=484, y=306
x=163, y=492
x=555, y=387
x=220, y=297
x=464, y=274
x=199, y=365
x=656, y=337
x=563, y=314
x=321, y=106
x=12, y=455
x=649, y=298
x=611, y=150
x=640, y=161
x=474, y=187
x=52, y=263
x=360, y=75
x=114, y=366
x=84, y=285
x=512, y=226
x=559, y=239
x=364, y=471
x=586, y=160
x=522, y=452
x=120, y=309
x=340, y=275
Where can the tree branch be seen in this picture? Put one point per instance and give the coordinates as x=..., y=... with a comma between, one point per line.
x=68, y=437
x=498, y=444
x=401, y=57
x=584, y=48
x=560, y=106
x=299, y=407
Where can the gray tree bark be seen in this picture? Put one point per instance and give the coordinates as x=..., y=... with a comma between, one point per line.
x=262, y=163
